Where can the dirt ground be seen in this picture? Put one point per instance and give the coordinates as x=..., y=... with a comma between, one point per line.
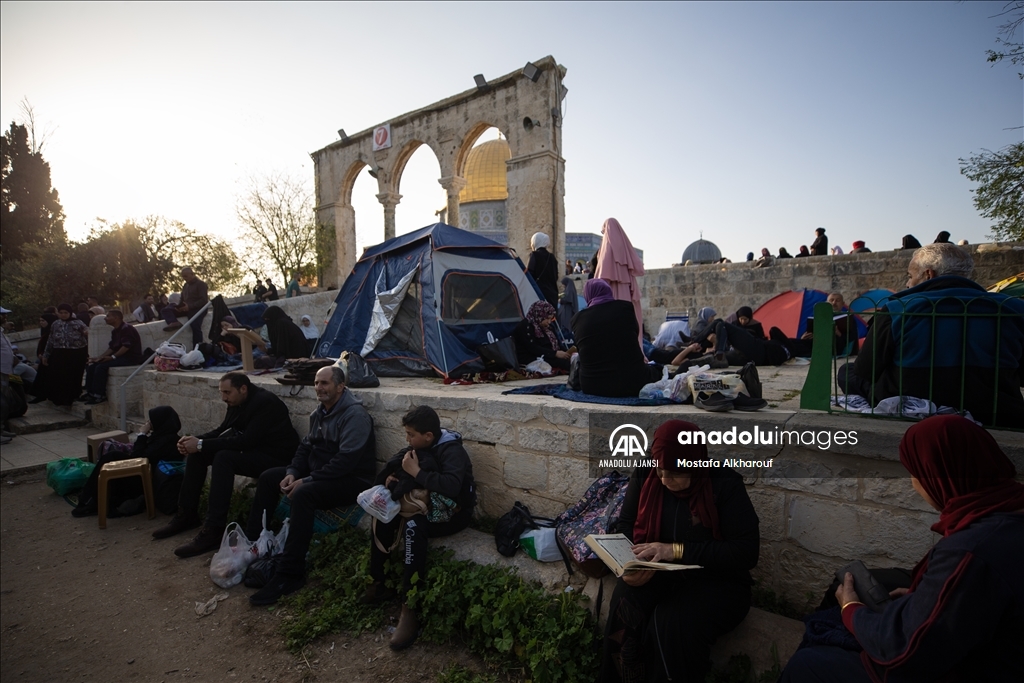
x=84, y=604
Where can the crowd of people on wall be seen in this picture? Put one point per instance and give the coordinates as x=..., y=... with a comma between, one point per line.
x=819, y=247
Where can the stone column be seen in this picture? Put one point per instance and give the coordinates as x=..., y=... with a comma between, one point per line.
x=453, y=185
x=340, y=252
x=535, y=202
x=390, y=201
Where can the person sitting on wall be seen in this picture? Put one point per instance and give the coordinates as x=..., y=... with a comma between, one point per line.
x=803, y=252
x=125, y=348
x=859, y=248
x=535, y=338
x=194, y=295
x=146, y=312
x=286, y=339
x=766, y=259
x=909, y=351
x=256, y=434
x=333, y=464
x=258, y=291
x=961, y=616
x=271, y=294
x=606, y=332
x=783, y=253
x=661, y=624
x=449, y=512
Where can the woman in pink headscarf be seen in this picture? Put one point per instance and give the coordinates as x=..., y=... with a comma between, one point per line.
x=619, y=266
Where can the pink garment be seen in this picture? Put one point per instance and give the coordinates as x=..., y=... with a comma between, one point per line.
x=619, y=266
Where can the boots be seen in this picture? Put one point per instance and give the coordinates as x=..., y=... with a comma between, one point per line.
x=207, y=539
x=183, y=520
x=375, y=593
x=407, y=630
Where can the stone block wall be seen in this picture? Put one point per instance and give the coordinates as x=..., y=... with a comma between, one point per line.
x=726, y=287
x=818, y=508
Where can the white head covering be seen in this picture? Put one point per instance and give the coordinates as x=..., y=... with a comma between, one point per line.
x=309, y=331
x=539, y=240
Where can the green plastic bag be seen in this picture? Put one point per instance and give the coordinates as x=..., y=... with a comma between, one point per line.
x=68, y=475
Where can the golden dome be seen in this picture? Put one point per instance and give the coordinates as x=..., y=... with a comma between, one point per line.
x=486, y=173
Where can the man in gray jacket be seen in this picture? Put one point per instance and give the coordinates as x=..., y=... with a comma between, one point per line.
x=333, y=464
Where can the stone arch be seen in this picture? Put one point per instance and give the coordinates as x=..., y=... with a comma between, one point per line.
x=535, y=172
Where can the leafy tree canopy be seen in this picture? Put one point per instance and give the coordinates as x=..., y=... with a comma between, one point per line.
x=1000, y=192
x=31, y=211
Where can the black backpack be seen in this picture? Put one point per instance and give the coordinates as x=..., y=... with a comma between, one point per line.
x=510, y=526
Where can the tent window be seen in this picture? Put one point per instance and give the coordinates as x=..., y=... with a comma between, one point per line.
x=479, y=298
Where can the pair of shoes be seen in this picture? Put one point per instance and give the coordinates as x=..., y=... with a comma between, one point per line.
x=207, y=539
x=407, y=631
x=94, y=400
x=38, y=399
x=5, y=440
x=182, y=521
x=715, y=403
x=4, y=432
x=277, y=588
x=376, y=593
x=172, y=326
x=84, y=397
x=719, y=361
x=748, y=404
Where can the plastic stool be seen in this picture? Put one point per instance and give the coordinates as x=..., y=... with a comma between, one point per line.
x=93, y=442
x=136, y=467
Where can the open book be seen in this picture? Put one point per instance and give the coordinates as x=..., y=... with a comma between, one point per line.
x=615, y=550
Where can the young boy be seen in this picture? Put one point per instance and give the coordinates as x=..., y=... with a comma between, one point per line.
x=436, y=461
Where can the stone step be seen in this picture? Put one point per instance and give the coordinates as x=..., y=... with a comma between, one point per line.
x=46, y=417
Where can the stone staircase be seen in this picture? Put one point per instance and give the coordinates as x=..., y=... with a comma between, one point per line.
x=46, y=417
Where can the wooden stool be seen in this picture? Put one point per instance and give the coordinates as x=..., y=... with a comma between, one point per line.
x=93, y=442
x=136, y=467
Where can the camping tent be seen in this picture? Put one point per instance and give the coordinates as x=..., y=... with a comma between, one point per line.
x=790, y=312
x=420, y=304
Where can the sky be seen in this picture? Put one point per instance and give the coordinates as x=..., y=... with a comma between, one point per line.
x=749, y=123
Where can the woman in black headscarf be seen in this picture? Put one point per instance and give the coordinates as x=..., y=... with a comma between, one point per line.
x=286, y=339
x=568, y=305
x=942, y=238
x=543, y=266
x=910, y=242
x=66, y=353
x=157, y=441
x=39, y=386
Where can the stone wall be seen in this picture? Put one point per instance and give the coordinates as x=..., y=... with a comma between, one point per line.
x=818, y=508
x=726, y=287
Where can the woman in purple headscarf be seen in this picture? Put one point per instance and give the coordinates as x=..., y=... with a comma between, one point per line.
x=611, y=362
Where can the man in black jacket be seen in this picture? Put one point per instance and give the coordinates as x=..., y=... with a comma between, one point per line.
x=332, y=465
x=256, y=434
x=819, y=247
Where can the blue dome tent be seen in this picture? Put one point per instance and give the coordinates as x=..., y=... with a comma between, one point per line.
x=422, y=303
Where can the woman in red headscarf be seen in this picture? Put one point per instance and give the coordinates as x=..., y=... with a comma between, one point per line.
x=962, y=619
x=661, y=625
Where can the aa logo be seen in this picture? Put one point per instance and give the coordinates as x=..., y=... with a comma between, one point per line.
x=626, y=441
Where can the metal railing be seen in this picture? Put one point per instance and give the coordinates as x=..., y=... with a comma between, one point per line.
x=122, y=391
x=954, y=345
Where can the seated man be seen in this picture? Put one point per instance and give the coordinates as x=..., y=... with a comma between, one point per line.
x=844, y=332
x=333, y=464
x=910, y=352
x=146, y=312
x=256, y=434
x=125, y=348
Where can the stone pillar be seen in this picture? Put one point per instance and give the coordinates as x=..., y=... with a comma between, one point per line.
x=536, y=202
x=453, y=185
x=340, y=253
x=390, y=201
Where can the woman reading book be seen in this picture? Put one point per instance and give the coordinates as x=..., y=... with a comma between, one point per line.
x=661, y=624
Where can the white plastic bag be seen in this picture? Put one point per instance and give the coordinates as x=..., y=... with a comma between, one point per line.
x=265, y=543
x=377, y=502
x=676, y=389
x=540, y=544
x=171, y=350
x=540, y=365
x=193, y=359
x=728, y=385
x=282, y=537
x=227, y=568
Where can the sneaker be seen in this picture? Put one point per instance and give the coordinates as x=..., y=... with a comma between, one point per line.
x=206, y=540
x=182, y=521
x=278, y=587
x=719, y=362
x=376, y=593
x=715, y=403
x=748, y=404
x=407, y=631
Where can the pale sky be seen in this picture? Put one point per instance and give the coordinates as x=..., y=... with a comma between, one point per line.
x=752, y=123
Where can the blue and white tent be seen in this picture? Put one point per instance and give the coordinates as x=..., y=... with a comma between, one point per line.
x=422, y=303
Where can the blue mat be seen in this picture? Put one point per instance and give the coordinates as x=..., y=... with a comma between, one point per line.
x=563, y=391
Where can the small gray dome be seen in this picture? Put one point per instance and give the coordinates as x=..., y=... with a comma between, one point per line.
x=702, y=251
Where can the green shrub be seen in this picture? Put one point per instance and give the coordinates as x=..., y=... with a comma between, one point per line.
x=512, y=624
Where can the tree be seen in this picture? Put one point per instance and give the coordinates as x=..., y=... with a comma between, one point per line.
x=1000, y=192
x=1010, y=47
x=31, y=211
x=279, y=224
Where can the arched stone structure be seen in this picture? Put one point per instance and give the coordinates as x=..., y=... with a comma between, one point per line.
x=536, y=171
